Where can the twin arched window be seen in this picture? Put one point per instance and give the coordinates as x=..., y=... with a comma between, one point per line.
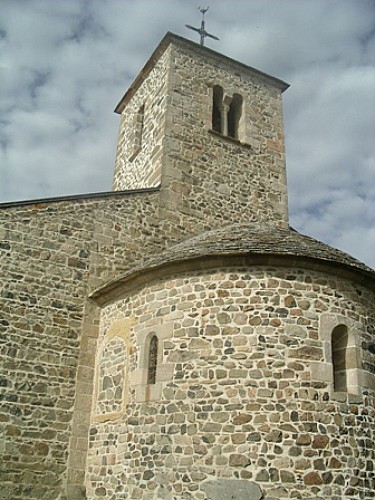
x=226, y=113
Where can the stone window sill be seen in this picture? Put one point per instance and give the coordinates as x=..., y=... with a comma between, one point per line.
x=230, y=139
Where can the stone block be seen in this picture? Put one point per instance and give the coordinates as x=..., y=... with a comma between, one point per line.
x=235, y=489
x=242, y=418
x=239, y=460
x=320, y=441
x=322, y=372
x=306, y=352
x=312, y=479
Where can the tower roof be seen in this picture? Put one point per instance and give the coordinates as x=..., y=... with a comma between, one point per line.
x=171, y=38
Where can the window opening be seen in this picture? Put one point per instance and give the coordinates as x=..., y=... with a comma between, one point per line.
x=226, y=113
x=217, y=109
x=339, y=355
x=234, y=115
x=152, y=360
x=138, y=127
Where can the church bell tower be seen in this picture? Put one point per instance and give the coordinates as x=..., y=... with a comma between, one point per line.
x=209, y=131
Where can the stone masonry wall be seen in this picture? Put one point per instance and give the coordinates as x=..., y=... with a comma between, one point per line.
x=49, y=261
x=205, y=172
x=139, y=146
x=53, y=255
x=239, y=395
x=205, y=177
x=238, y=391
x=45, y=253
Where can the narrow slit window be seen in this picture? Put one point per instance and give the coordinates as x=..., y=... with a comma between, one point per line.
x=217, y=109
x=138, y=127
x=152, y=360
x=339, y=357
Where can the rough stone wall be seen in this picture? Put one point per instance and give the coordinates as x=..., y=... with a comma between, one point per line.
x=50, y=259
x=238, y=393
x=139, y=146
x=205, y=176
x=206, y=173
x=45, y=254
x=239, y=397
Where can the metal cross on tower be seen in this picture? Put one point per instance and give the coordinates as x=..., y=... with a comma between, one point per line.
x=203, y=33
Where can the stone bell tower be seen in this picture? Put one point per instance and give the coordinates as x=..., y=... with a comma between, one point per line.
x=209, y=131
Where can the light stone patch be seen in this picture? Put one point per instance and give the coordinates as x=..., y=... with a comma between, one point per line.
x=111, y=385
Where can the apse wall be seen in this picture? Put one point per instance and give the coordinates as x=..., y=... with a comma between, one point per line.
x=244, y=388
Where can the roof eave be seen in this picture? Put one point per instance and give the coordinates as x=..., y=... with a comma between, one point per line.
x=146, y=273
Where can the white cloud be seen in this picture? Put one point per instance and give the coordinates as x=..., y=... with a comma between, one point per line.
x=65, y=65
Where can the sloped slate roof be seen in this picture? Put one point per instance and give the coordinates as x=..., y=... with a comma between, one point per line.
x=266, y=240
x=241, y=244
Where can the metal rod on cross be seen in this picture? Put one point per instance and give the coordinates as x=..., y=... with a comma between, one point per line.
x=202, y=30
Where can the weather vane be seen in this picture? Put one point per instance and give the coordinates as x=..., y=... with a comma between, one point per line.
x=203, y=33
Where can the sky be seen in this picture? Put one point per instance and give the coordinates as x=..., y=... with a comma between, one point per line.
x=64, y=65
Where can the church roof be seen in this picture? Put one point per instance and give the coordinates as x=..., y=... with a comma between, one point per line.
x=241, y=245
x=265, y=240
x=170, y=38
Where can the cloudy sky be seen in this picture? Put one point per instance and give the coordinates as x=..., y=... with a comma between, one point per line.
x=65, y=64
